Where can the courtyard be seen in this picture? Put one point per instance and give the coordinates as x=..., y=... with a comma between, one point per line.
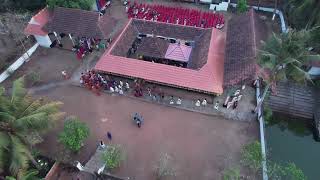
x=201, y=146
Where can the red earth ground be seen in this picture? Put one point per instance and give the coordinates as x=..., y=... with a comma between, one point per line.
x=201, y=146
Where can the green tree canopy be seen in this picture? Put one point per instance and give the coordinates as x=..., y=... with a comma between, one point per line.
x=30, y=5
x=79, y=4
x=242, y=6
x=74, y=133
x=20, y=116
x=284, y=57
x=303, y=13
x=113, y=156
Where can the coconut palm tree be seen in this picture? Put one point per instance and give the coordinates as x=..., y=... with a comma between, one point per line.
x=303, y=14
x=284, y=57
x=20, y=116
x=29, y=175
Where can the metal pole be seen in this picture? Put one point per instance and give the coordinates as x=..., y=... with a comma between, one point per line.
x=262, y=140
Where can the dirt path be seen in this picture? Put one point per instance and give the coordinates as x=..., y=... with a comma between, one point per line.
x=202, y=146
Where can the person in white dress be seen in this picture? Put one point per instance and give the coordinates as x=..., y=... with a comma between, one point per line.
x=111, y=89
x=198, y=103
x=179, y=101
x=204, y=102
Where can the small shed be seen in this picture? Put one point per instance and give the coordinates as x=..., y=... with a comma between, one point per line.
x=35, y=27
x=314, y=70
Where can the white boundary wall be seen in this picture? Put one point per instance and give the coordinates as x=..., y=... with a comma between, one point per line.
x=19, y=62
x=44, y=41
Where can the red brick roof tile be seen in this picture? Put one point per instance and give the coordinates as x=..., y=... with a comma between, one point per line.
x=208, y=79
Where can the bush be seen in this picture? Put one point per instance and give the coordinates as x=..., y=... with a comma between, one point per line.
x=33, y=77
x=164, y=166
x=242, y=6
x=231, y=174
x=73, y=134
x=252, y=156
x=267, y=113
x=293, y=172
x=113, y=156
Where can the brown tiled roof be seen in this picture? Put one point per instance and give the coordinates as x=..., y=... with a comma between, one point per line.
x=153, y=47
x=240, y=55
x=78, y=22
x=201, y=37
x=125, y=42
x=107, y=25
x=199, y=53
x=208, y=79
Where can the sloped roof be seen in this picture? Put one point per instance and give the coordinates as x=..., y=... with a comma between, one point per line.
x=200, y=36
x=77, y=22
x=179, y=52
x=208, y=79
x=240, y=57
x=107, y=25
x=152, y=47
x=37, y=22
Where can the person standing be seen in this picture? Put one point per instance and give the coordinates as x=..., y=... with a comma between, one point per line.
x=109, y=135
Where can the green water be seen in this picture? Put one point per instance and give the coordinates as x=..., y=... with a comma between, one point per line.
x=291, y=140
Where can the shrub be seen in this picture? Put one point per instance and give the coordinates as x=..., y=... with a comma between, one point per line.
x=293, y=172
x=252, y=156
x=231, y=174
x=33, y=77
x=242, y=6
x=73, y=134
x=164, y=166
x=267, y=113
x=113, y=156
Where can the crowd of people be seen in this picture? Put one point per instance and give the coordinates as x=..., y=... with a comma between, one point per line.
x=175, y=15
x=96, y=83
x=86, y=45
x=233, y=100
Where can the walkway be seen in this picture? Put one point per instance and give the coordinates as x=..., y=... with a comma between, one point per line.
x=95, y=162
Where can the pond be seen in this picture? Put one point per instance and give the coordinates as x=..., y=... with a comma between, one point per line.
x=291, y=140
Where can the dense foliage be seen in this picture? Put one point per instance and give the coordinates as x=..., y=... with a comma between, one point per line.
x=30, y=5
x=231, y=174
x=79, y=4
x=303, y=14
x=252, y=158
x=113, y=156
x=29, y=175
x=20, y=116
x=284, y=57
x=242, y=6
x=73, y=134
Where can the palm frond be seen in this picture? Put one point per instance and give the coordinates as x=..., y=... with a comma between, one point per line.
x=18, y=155
x=49, y=108
x=6, y=117
x=32, y=106
x=4, y=149
x=309, y=58
x=31, y=175
x=32, y=122
x=56, y=116
x=2, y=90
x=18, y=90
x=291, y=60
